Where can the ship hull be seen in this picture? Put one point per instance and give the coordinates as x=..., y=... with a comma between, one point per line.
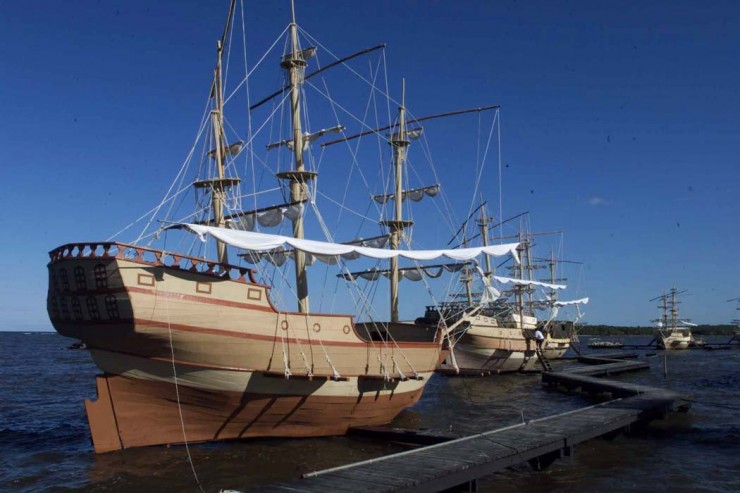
x=555, y=348
x=559, y=335
x=132, y=412
x=674, y=341
x=189, y=345
x=472, y=359
x=487, y=347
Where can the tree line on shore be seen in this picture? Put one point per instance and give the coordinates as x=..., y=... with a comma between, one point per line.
x=616, y=330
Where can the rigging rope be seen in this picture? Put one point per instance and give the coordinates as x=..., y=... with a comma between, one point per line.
x=177, y=392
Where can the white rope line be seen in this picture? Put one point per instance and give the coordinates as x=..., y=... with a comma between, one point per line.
x=354, y=151
x=483, y=163
x=250, y=135
x=249, y=73
x=177, y=395
x=179, y=177
x=286, y=363
x=344, y=207
x=359, y=76
x=344, y=110
x=309, y=371
x=365, y=305
x=334, y=371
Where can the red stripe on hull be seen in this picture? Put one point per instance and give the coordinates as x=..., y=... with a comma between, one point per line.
x=135, y=413
x=67, y=328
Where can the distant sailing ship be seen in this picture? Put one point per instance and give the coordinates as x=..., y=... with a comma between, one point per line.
x=560, y=335
x=673, y=333
x=193, y=349
x=499, y=337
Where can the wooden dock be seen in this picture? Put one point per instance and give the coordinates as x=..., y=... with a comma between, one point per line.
x=457, y=463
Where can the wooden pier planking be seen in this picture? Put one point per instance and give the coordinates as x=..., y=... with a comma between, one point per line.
x=455, y=462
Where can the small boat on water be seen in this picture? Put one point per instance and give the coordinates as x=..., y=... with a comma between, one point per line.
x=602, y=344
x=194, y=347
x=672, y=332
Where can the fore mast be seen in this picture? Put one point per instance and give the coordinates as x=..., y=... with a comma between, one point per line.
x=219, y=185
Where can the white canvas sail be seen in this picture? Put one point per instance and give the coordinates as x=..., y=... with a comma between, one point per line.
x=267, y=218
x=525, y=282
x=416, y=194
x=410, y=273
x=582, y=301
x=249, y=240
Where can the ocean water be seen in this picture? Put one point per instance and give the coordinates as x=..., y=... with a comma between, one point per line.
x=45, y=443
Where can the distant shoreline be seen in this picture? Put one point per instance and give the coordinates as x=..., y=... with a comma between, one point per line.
x=700, y=330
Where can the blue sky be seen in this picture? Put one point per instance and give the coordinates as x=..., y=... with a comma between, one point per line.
x=619, y=126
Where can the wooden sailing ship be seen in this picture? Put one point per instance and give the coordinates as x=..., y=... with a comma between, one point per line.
x=494, y=335
x=560, y=335
x=491, y=339
x=193, y=349
x=672, y=332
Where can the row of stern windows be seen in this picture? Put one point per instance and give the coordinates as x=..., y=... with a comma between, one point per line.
x=72, y=310
x=60, y=279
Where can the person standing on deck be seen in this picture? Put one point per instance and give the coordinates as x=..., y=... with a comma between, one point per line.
x=539, y=337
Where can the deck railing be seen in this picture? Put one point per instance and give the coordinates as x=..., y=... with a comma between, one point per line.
x=151, y=256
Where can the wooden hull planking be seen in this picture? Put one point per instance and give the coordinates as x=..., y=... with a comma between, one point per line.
x=174, y=340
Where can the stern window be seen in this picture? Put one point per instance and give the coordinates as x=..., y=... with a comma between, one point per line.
x=76, y=309
x=111, y=306
x=64, y=278
x=92, y=308
x=101, y=277
x=80, y=280
x=64, y=308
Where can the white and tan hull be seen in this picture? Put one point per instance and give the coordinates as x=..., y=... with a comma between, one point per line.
x=674, y=341
x=242, y=369
x=489, y=348
x=141, y=405
x=553, y=349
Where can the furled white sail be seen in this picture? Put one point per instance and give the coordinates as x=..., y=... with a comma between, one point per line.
x=268, y=218
x=582, y=301
x=525, y=282
x=249, y=240
x=687, y=323
x=411, y=273
x=416, y=194
x=280, y=255
x=489, y=294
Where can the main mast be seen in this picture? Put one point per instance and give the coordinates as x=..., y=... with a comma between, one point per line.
x=483, y=223
x=674, y=308
x=519, y=289
x=299, y=177
x=400, y=143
